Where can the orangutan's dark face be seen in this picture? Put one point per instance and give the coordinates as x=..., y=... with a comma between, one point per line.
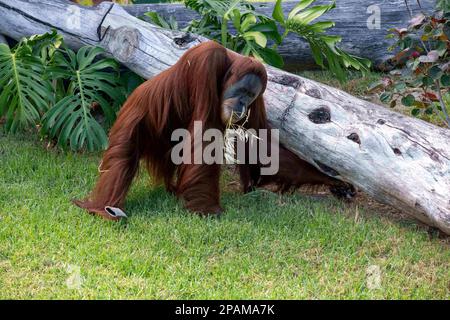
x=238, y=97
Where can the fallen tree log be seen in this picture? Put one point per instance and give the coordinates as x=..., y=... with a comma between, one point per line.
x=353, y=19
x=398, y=160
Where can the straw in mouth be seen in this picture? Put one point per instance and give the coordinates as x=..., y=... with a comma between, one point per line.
x=235, y=131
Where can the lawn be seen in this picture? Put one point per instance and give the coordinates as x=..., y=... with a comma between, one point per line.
x=265, y=246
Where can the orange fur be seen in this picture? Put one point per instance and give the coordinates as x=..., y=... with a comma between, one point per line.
x=191, y=90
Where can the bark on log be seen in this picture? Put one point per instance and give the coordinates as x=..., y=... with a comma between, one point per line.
x=351, y=17
x=398, y=160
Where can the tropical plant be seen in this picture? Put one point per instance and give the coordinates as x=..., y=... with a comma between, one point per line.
x=252, y=30
x=443, y=5
x=26, y=94
x=90, y=86
x=258, y=35
x=76, y=106
x=129, y=81
x=324, y=47
x=423, y=84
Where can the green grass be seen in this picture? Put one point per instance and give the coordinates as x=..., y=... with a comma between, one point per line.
x=265, y=246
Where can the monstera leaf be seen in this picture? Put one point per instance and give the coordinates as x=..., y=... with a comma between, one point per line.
x=302, y=21
x=75, y=119
x=25, y=93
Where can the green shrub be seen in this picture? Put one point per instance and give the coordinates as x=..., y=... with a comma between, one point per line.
x=72, y=97
x=88, y=85
x=254, y=32
x=26, y=93
x=423, y=84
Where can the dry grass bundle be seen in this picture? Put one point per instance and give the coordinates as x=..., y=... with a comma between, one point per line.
x=233, y=133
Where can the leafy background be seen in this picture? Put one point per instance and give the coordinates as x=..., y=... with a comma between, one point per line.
x=73, y=98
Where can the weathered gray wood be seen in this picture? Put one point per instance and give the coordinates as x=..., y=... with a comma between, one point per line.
x=399, y=160
x=3, y=39
x=351, y=17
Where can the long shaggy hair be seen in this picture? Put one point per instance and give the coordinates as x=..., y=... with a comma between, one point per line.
x=191, y=90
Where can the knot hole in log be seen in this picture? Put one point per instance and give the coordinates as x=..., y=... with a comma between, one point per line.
x=397, y=151
x=314, y=93
x=354, y=137
x=286, y=80
x=123, y=42
x=183, y=40
x=320, y=115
